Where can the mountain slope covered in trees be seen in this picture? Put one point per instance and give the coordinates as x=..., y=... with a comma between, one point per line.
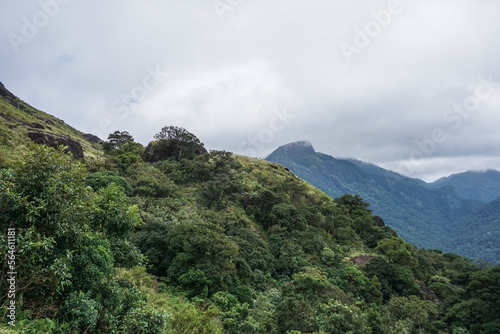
x=482, y=186
x=212, y=242
x=430, y=218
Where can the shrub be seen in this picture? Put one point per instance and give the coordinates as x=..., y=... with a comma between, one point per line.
x=103, y=179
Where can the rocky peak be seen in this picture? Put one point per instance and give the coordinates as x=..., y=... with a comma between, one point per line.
x=303, y=145
x=299, y=149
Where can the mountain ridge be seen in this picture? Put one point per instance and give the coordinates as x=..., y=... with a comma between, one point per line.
x=419, y=213
x=22, y=124
x=480, y=185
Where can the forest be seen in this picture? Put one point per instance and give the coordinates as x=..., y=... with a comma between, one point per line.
x=172, y=238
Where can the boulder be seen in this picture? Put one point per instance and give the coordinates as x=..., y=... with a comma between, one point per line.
x=73, y=147
x=93, y=139
x=379, y=221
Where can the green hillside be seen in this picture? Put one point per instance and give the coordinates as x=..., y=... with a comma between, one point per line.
x=483, y=243
x=482, y=186
x=21, y=125
x=212, y=242
x=426, y=217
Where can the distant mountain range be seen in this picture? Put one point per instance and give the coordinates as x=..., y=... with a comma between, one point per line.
x=482, y=186
x=455, y=214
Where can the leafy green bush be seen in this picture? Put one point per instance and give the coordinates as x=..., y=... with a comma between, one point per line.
x=81, y=311
x=144, y=320
x=150, y=182
x=66, y=236
x=102, y=179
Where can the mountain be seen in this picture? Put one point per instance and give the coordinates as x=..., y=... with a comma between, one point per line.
x=482, y=186
x=424, y=216
x=484, y=242
x=214, y=243
x=21, y=124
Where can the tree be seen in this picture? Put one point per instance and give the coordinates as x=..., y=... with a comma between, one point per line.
x=123, y=149
x=397, y=250
x=174, y=250
x=175, y=133
x=173, y=142
x=418, y=312
x=483, y=305
x=119, y=140
x=353, y=203
x=68, y=237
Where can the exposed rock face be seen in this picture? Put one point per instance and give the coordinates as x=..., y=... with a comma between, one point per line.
x=360, y=260
x=379, y=221
x=37, y=126
x=93, y=139
x=428, y=293
x=5, y=93
x=50, y=140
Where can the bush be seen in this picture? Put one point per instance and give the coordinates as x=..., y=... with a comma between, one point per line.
x=145, y=320
x=103, y=179
x=149, y=181
x=81, y=311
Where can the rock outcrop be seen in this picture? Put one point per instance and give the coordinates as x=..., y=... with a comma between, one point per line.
x=73, y=147
x=93, y=139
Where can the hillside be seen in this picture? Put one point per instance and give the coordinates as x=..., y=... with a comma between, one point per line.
x=482, y=186
x=423, y=216
x=213, y=242
x=21, y=125
x=483, y=243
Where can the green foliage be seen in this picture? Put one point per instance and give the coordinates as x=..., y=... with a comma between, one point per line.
x=182, y=247
x=175, y=142
x=148, y=181
x=483, y=307
x=81, y=311
x=222, y=186
x=123, y=150
x=354, y=204
x=145, y=320
x=240, y=246
x=287, y=216
x=93, y=261
x=119, y=142
x=66, y=237
x=396, y=250
x=186, y=318
x=393, y=279
x=102, y=179
x=220, y=191
x=195, y=282
x=416, y=312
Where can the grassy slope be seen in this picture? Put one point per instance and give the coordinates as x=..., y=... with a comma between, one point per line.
x=17, y=121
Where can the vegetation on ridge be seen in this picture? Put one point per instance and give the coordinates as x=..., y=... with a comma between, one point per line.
x=210, y=242
x=235, y=244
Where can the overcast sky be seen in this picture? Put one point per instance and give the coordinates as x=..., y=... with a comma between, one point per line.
x=412, y=86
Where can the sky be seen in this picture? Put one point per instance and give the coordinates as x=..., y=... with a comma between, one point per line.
x=411, y=86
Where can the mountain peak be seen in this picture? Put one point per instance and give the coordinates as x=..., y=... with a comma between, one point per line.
x=300, y=145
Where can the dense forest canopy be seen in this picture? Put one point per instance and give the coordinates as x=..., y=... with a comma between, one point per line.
x=212, y=242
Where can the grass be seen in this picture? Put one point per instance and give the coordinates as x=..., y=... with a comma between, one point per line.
x=16, y=122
